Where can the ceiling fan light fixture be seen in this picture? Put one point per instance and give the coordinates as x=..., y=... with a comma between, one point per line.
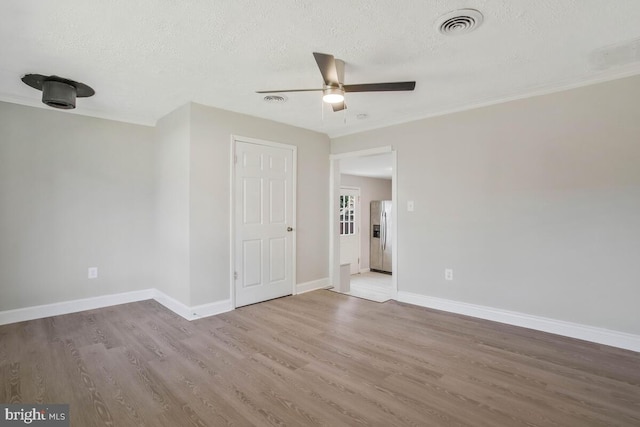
x=333, y=90
x=333, y=95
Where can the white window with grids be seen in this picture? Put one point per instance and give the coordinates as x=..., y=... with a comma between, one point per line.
x=347, y=215
x=350, y=247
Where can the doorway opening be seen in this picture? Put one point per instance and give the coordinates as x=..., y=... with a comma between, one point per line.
x=373, y=174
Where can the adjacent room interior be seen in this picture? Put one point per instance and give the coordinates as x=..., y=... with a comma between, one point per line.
x=365, y=232
x=294, y=213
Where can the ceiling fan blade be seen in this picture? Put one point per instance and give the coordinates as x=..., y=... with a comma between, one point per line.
x=340, y=70
x=380, y=87
x=289, y=90
x=339, y=106
x=327, y=65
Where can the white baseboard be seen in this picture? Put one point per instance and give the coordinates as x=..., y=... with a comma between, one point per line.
x=364, y=270
x=66, y=307
x=174, y=305
x=313, y=285
x=195, y=312
x=211, y=309
x=559, y=327
x=74, y=306
x=574, y=330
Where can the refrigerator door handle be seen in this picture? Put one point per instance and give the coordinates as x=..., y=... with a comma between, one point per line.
x=384, y=227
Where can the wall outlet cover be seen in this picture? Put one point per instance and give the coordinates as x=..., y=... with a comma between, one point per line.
x=448, y=274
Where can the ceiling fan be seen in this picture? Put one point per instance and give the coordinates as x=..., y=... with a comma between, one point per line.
x=333, y=90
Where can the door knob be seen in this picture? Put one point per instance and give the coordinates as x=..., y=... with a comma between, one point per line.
x=289, y=229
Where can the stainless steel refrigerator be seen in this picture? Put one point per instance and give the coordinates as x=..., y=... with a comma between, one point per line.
x=380, y=236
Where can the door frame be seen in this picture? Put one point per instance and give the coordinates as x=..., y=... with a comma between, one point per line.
x=359, y=221
x=334, y=212
x=232, y=207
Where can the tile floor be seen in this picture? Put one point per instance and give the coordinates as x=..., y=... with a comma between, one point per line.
x=371, y=285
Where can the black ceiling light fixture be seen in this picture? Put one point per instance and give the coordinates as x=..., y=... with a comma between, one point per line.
x=58, y=92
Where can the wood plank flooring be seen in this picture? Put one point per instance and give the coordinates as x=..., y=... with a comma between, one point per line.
x=319, y=358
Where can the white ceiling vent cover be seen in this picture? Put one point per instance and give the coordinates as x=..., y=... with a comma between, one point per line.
x=275, y=99
x=459, y=22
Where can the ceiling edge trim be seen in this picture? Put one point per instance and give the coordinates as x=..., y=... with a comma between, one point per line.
x=619, y=73
x=28, y=102
x=539, y=91
x=362, y=153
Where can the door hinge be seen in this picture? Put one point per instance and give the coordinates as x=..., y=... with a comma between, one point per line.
x=235, y=158
x=235, y=275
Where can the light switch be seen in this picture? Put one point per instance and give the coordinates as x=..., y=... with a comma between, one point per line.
x=410, y=205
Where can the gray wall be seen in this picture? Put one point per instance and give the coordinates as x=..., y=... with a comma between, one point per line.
x=210, y=172
x=75, y=192
x=535, y=204
x=148, y=206
x=370, y=189
x=172, y=154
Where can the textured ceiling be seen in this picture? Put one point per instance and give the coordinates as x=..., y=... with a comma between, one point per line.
x=145, y=58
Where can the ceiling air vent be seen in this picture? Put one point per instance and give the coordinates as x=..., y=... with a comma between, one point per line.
x=275, y=99
x=459, y=22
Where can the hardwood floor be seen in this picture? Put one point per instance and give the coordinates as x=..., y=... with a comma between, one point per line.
x=319, y=358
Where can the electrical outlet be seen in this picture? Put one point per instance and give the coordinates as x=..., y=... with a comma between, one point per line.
x=93, y=272
x=448, y=274
x=410, y=206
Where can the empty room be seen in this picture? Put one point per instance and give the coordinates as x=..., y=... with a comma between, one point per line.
x=417, y=213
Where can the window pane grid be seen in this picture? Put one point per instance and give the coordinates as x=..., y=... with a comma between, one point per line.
x=347, y=215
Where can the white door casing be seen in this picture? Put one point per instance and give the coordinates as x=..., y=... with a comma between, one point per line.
x=350, y=228
x=334, y=191
x=264, y=218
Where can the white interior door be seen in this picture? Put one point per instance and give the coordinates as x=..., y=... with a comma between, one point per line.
x=350, y=228
x=264, y=221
